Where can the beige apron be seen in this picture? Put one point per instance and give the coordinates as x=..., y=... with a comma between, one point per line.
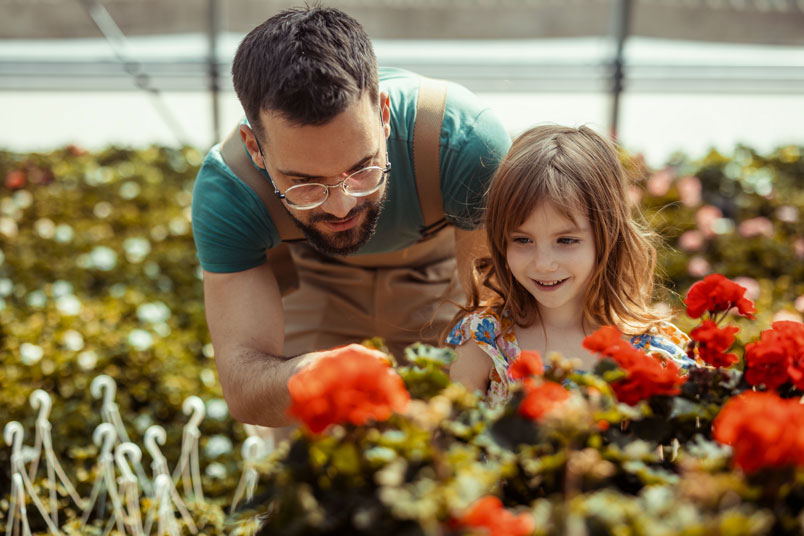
x=339, y=302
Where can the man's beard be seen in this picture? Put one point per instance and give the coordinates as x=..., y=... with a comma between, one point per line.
x=346, y=242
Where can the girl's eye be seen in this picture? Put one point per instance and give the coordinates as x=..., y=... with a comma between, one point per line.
x=568, y=241
x=520, y=240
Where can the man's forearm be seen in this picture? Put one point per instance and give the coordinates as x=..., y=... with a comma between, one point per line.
x=255, y=385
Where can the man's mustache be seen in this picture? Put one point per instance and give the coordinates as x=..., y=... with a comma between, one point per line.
x=329, y=218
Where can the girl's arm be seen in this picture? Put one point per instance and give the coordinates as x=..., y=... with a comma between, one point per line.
x=471, y=367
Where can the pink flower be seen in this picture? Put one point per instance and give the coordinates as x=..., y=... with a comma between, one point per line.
x=634, y=196
x=691, y=240
x=659, y=183
x=759, y=226
x=689, y=190
x=705, y=217
x=784, y=314
x=698, y=267
x=787, y=214
x=751, y=287
x=798, y=248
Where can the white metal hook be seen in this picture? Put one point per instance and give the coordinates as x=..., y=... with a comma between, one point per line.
x=135, y=455
x=154, y=436
x=103, y=385
x=40, y=400
x=104, y=436
x=195, y=406
x=252, y=448
x=13, y=434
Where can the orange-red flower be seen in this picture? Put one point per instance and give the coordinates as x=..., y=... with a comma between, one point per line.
x=645, y=376
x=713, y=342
x=542, y=398
x=351, y=384
x=763, y=430
x=488, y=513
x=527, y=364
x=608, y=340
x=716, y=294
x=778, y=356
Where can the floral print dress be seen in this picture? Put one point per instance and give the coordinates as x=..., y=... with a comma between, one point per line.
x=493, y=335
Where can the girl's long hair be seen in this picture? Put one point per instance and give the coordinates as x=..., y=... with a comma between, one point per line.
x=575, y=170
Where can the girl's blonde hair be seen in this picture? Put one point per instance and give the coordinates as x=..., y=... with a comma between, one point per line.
x=576, y=170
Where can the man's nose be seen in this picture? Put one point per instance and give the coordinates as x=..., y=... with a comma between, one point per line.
x=338, y=203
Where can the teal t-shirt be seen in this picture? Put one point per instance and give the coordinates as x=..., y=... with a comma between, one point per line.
x=232, y=228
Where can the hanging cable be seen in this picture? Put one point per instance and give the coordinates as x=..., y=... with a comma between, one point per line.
x=118, y=43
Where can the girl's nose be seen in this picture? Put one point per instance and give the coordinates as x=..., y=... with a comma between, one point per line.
x=544, y=262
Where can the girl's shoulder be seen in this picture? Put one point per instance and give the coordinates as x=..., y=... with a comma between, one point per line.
x=482, y=326
x=665, y=340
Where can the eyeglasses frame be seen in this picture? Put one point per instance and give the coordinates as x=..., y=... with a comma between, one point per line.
x=280, y=195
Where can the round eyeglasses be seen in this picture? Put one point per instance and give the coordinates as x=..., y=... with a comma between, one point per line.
x=361, y=183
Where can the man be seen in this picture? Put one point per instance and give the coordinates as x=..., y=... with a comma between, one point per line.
x=331, y=136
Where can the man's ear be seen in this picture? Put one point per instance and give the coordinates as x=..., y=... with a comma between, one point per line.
x=250, y=140
x=385, y=112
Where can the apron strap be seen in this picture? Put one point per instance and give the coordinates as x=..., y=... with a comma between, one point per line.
x=426, y=148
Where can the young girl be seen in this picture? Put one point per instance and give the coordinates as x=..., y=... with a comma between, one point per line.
x=566, y=257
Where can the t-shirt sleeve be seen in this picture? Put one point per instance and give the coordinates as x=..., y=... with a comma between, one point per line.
x=231, y=228
x=478, y=141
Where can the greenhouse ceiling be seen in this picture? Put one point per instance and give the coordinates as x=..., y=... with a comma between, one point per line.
x=741, y=21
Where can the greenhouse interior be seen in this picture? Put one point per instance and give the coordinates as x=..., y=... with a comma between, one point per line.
x=119, y=415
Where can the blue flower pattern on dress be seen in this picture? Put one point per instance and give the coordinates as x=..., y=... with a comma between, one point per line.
x=486, y=331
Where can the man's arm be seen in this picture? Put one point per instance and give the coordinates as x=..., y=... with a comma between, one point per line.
x=246, y=322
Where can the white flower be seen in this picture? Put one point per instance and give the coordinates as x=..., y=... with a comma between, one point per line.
x=63, y=233
x=30, y=354
x=72, y=340
x=103, y=258
x=153, y=312
x=129, y=190
x=45, y=228
x=139, y=339
x=68, y=305
x=136, y=248
x=62, y=288
x=218, y=445
x=87, y=359
x=217, y=409
x=37, y=299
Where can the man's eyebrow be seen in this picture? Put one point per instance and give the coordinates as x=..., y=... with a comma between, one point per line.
x=360, y=164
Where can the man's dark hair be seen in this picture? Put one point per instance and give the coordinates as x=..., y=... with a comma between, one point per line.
x=308, y=64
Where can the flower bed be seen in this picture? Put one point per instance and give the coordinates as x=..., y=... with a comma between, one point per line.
x=98, y=276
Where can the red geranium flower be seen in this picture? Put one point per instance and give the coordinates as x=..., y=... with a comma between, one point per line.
x=607, y=340
x=646, y=376
x=541, y=399
x=791, y=337
x=763, y=430
x=716, y=294
x=526, y=365
x=349, y=384
x=488, y=513
x=713, y=343
x=767, y=361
